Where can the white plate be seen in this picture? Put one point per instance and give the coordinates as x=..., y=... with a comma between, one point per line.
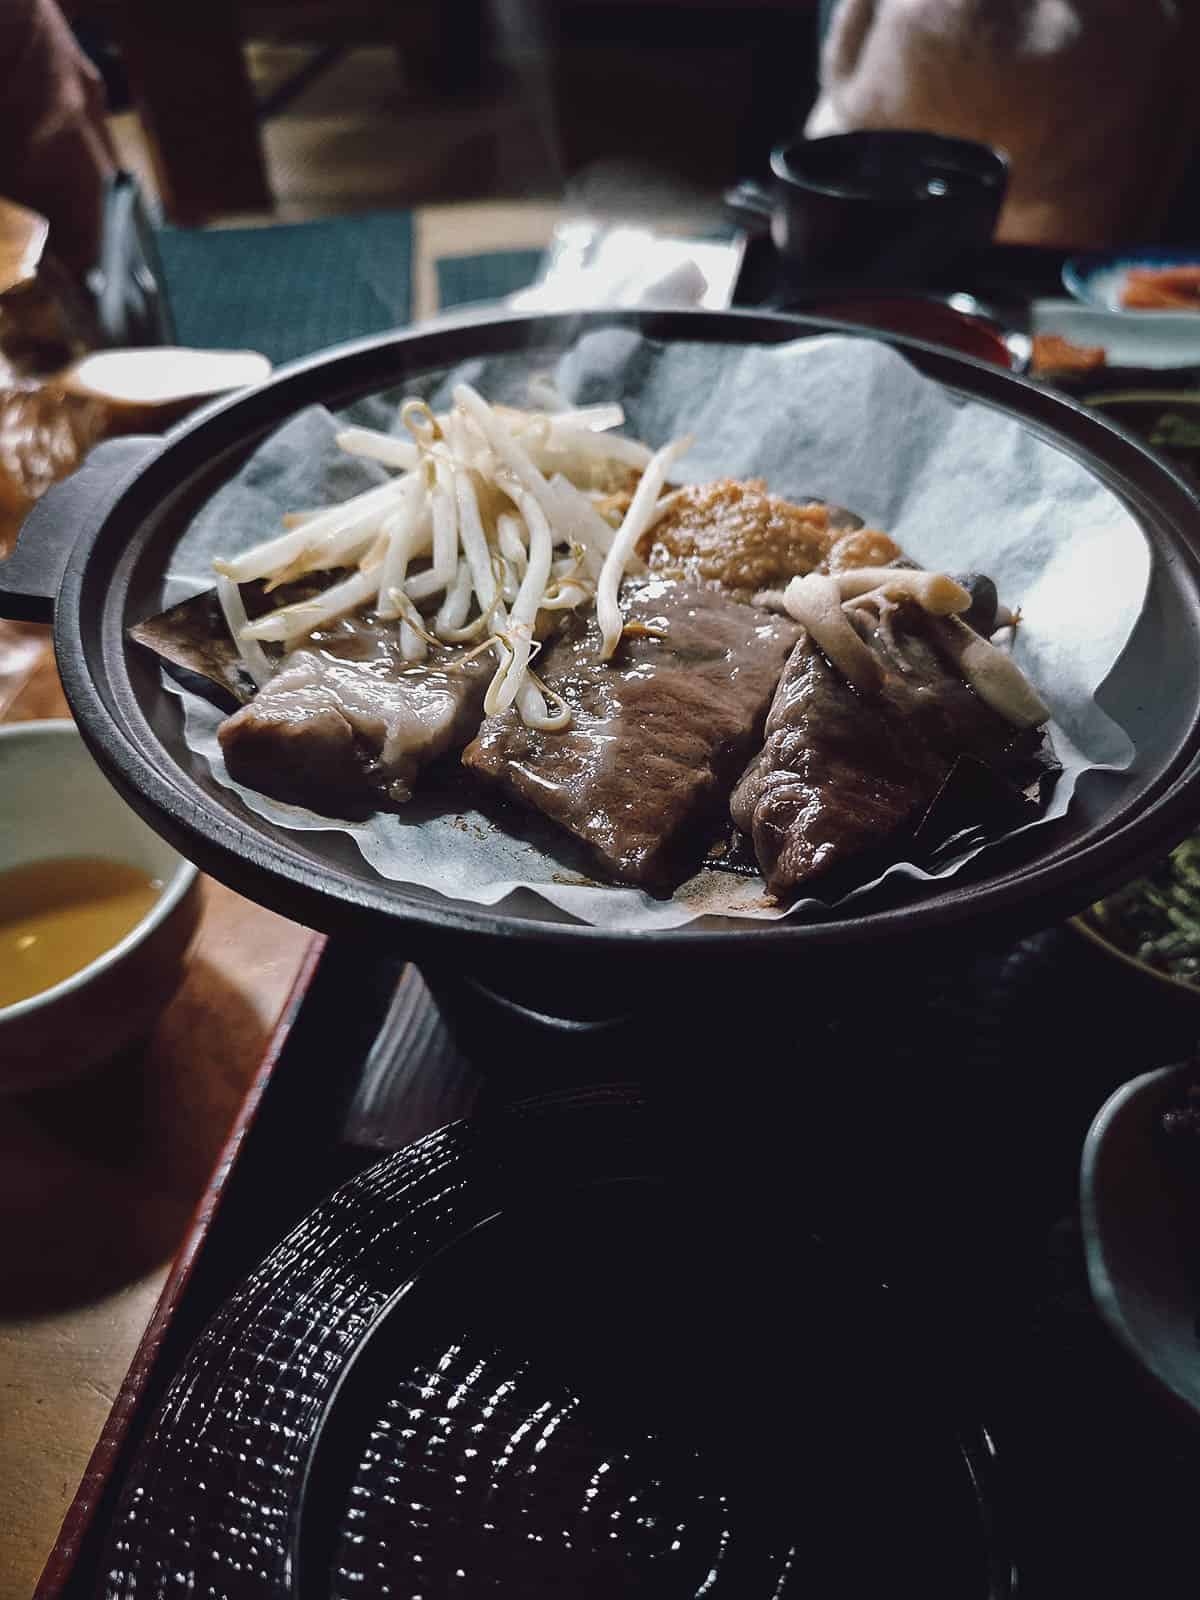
x=1130, y=339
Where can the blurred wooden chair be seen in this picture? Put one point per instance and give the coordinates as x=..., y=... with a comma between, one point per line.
x=189, y=80
x=188, y=77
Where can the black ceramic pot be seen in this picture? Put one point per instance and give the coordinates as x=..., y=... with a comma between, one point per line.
x=94, y=553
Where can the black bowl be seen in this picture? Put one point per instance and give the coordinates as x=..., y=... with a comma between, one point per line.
x=884, y=206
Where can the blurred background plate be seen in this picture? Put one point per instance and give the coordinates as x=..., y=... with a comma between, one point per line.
x=1098, y=278
x=1151, y=339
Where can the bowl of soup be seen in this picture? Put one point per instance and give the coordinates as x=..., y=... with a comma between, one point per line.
x=96, y=911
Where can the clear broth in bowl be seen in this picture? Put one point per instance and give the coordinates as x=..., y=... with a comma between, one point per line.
x=57, y=916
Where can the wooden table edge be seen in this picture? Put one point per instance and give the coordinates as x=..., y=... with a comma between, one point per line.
x=79, y=1514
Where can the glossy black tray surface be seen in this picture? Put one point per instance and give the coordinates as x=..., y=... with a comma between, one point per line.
x=551, y=1351
x=927, y=1136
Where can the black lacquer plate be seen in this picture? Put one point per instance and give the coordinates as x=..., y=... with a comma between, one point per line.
x=548, y=1352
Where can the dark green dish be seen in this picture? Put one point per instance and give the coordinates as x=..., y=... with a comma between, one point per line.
x=1154, y=922
x=1167, y=419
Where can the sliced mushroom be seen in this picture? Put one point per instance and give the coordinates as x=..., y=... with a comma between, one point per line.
x=938, y=594
x=993, y=674
x=816, y=602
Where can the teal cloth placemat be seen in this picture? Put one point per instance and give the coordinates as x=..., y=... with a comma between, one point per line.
x=462, y=280
x=289, y=289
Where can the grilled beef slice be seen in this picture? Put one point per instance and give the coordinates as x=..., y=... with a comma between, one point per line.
x=347, y=724
x=658, y=735
x=192, y=639
x=841, y=773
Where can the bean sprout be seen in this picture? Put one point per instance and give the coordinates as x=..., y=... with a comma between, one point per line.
x=472, y=630
x=424, y=585
x=591, y=533
x=563, y=439
x=413, y=646
x=566, y=596
x=483, y=574
x=402, y=528
x=544, y=722
x=483, y=620
x=597, y=418
x=376, y=446
x=474, y=540
x=452, y=612
x=253, y=657
x=529, y=598
x=418, y=418
x=637, y=519
x=504, y=657
x=331, y=538
x=445, y=524
x=512, y=455
x=512, y=547
x=293, y=621
x=414, y=621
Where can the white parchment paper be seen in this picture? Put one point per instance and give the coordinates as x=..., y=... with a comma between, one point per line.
x=959, y=485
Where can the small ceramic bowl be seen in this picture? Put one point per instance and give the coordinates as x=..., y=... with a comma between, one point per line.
x=55, y=802
x=1139, y=1215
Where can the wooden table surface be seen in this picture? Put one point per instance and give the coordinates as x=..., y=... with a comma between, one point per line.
x=98, y=1181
